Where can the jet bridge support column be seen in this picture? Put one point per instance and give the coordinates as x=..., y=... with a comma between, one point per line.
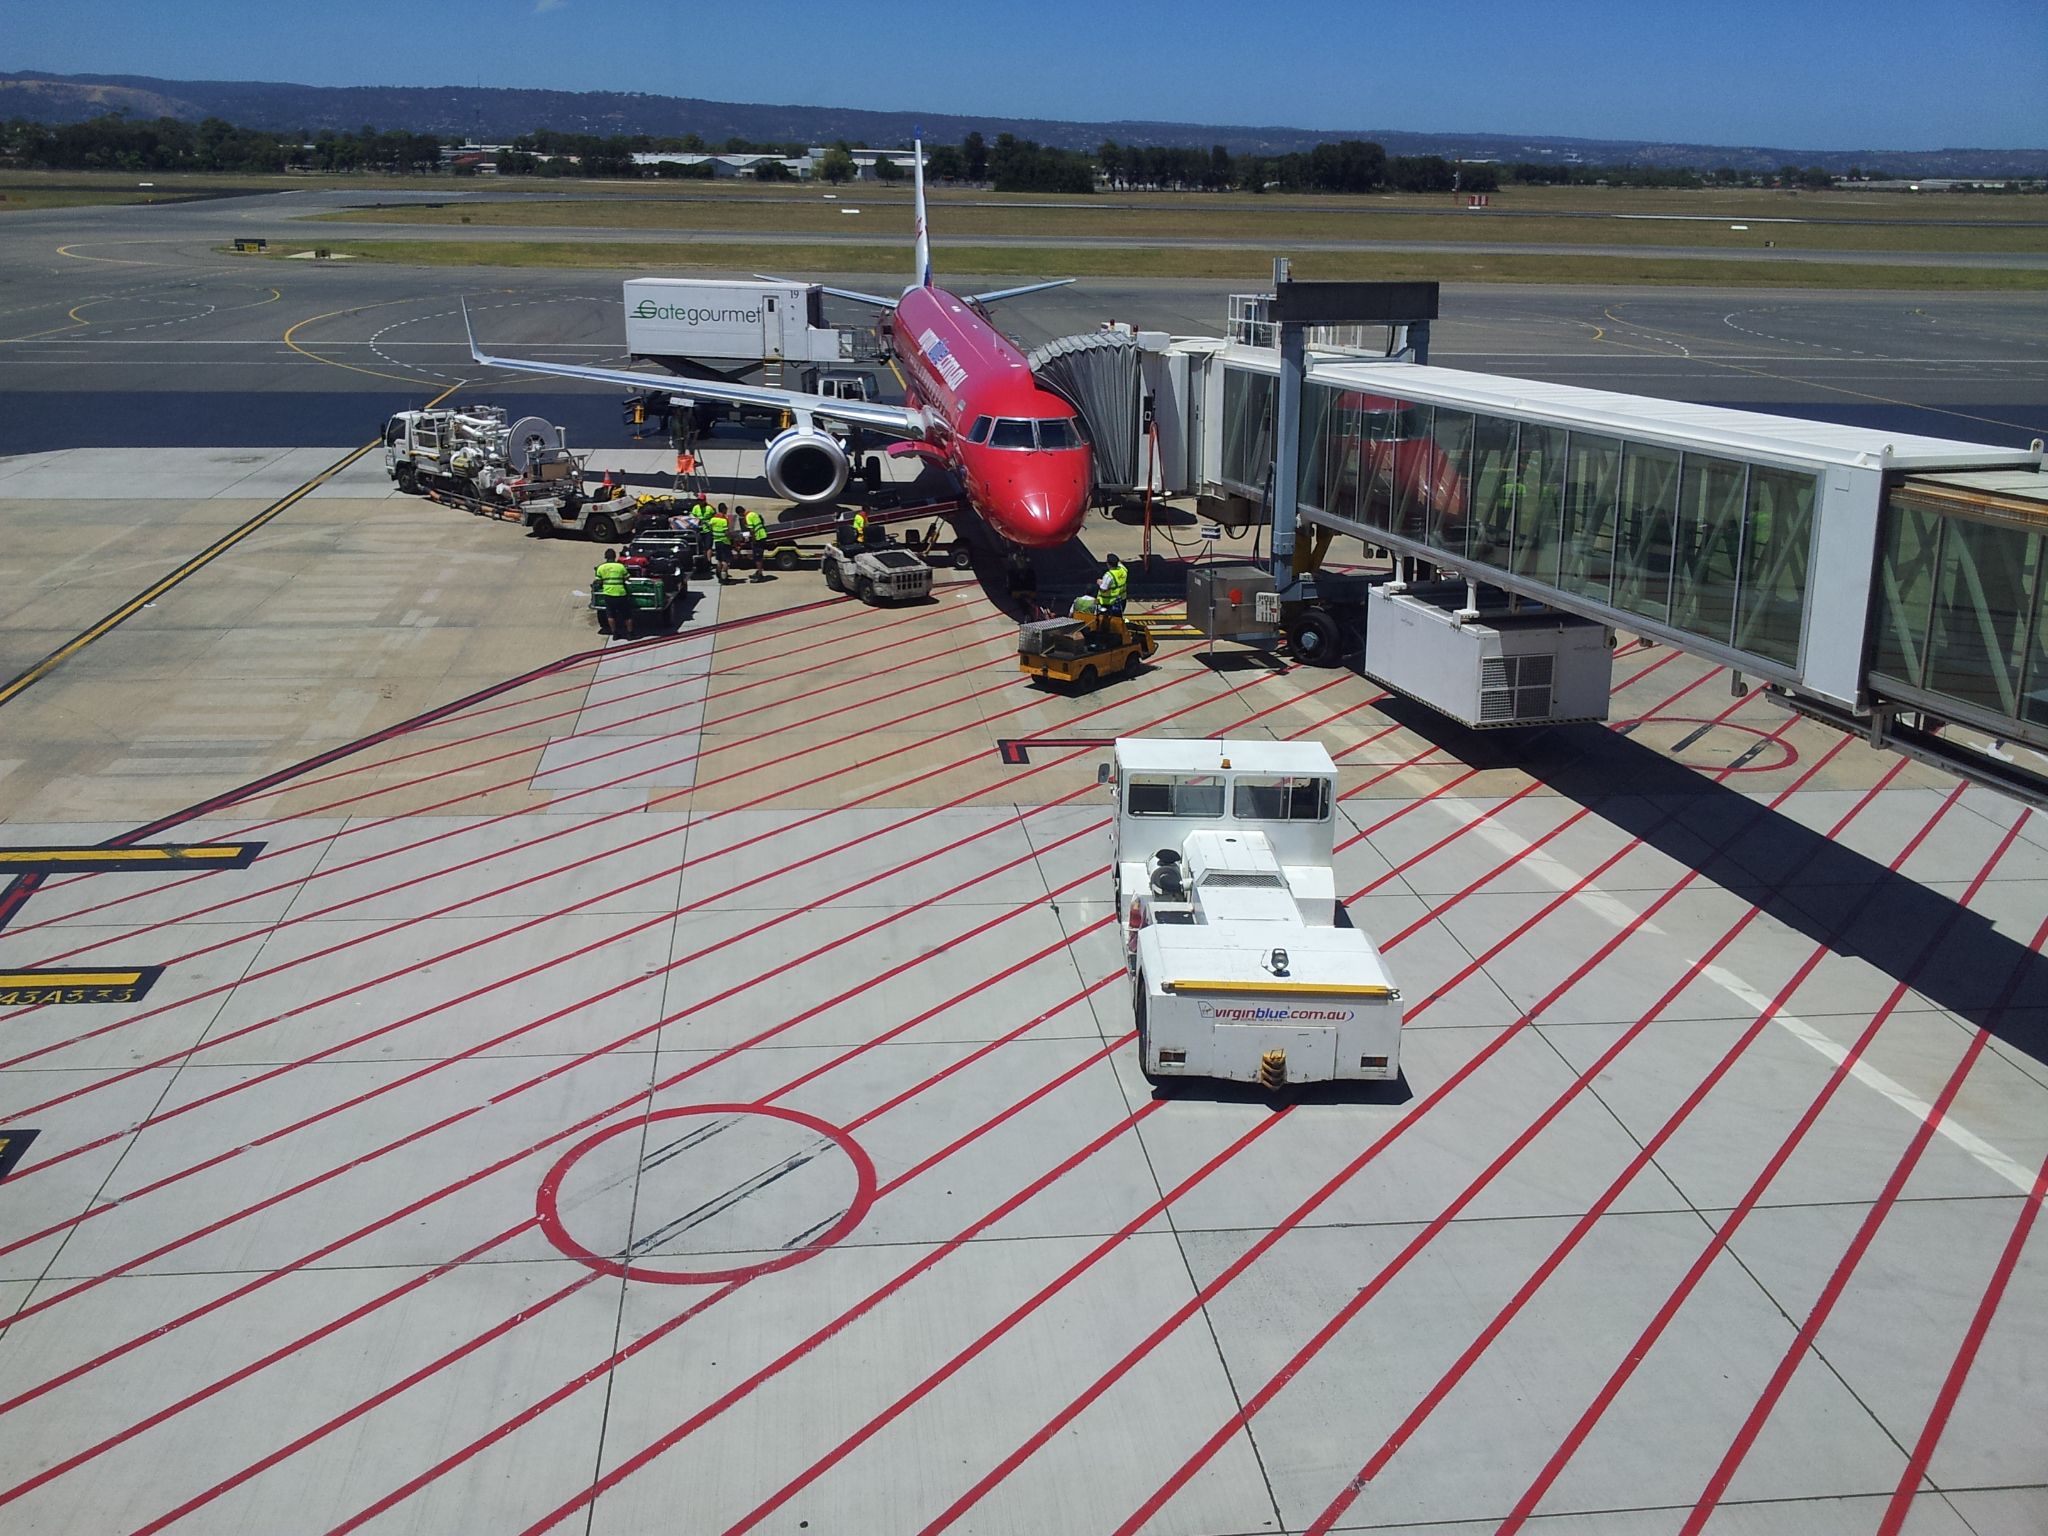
x=1312, y=630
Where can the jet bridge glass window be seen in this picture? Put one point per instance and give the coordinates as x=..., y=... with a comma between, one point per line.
x=1011, y=434
x=1592, y=482
x=1770, y=606
x=1709, y=546
x=1159, y=794
x=1286, y=797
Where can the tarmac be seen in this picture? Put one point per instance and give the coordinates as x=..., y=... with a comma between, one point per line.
x=687, y=1083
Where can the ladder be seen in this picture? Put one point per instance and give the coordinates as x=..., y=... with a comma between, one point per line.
x=690, y=483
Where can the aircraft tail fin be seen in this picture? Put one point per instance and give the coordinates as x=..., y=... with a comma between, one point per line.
x=924, y=244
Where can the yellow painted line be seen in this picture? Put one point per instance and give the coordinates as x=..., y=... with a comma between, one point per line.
x=205, y=557
x=12, y=980
x=351, y=367
x=1267, y=988
x=197, y=854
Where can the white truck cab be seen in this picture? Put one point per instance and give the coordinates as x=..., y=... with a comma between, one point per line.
x=1243, y=963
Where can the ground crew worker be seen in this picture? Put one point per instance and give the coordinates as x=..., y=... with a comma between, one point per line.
x=757, y=535
x=721, y=544
x=860, y=526
x=615, y=618
x=1114, y=586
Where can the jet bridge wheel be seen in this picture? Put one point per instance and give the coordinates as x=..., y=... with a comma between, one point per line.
x=1315, y=637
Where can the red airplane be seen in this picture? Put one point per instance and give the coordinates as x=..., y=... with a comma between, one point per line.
x=971, y=404
x=1409, y=480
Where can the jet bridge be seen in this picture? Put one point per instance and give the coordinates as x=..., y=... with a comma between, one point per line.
x=1894, y=585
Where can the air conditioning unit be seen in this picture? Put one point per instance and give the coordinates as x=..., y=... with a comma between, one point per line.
x=1529, y=666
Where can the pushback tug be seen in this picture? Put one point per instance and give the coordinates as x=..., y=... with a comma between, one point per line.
x=1244, y=964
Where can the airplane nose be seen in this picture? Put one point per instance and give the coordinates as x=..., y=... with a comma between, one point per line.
x=1051, y=515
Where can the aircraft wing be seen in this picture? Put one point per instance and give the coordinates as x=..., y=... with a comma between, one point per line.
x=1012, y=293
x=876, y=299
x=897, y=419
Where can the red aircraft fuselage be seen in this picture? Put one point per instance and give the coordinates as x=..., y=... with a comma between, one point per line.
x=1018, y=449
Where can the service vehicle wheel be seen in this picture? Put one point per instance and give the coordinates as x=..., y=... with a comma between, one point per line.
x=1144, y=1031
x=601, y=529
x=1131, y=664
x=1085, y=678
x=831, y=570
x=865, y=586
x=408, y=480
x=539, y=526
x=1146, y=644
x=785, y=558
x=961, y=557
x=1315, y=638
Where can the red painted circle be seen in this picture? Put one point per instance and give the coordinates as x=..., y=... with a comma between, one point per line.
x=1788, y=754
x=547, y=1204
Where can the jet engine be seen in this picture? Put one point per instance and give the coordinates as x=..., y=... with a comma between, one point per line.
x=806, y=465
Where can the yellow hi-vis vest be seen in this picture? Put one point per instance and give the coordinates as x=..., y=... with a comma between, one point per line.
x=757, y=525
x=860, y=526
x=1119, y=583
x=721, y=530
x=611, y=579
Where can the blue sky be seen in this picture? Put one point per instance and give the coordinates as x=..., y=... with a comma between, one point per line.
x=1793, y=73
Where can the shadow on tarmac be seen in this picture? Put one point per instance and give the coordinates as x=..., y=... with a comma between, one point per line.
x=1821, y=889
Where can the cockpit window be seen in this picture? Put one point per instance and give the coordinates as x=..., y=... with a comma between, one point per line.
x=978, y=433
x=1011, y=434
x=1061, y=433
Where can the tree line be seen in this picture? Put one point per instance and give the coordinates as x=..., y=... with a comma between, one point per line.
x=1008, y=164
x=116, y=143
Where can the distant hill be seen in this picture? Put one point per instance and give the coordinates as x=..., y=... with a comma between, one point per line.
x=459, y=111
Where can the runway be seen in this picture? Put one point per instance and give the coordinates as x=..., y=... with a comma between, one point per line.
x=688, y=1084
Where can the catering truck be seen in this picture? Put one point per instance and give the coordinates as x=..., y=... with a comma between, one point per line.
x=1244, y=965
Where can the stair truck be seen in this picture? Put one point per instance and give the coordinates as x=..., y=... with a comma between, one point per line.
x=1243, y=963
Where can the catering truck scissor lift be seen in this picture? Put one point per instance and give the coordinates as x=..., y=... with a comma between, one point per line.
x=1243, y=963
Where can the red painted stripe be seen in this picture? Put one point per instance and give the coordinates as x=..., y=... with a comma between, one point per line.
x=1866, y=1230
x=1585, y=1223
x=1922, y=1455
x=1526, y=1504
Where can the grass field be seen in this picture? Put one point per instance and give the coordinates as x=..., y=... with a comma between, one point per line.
x=15, y=199
x=1183, y=262
x=1232, y=217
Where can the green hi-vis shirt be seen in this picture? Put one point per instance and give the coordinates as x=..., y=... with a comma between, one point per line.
x=611, y=579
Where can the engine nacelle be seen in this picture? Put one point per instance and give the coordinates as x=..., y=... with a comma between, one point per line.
x=807, y=466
